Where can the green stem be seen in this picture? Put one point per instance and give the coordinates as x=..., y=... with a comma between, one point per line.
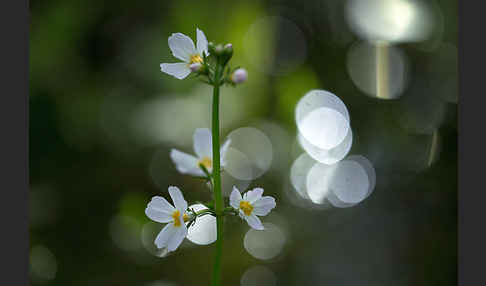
x=218, y=198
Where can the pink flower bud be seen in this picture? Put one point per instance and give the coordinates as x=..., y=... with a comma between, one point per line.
x=239, y=76
x=195, y=67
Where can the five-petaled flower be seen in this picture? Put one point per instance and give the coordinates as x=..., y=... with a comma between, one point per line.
x=252, y=204
x=182, y=47
x=160, y=210
x=202, y=144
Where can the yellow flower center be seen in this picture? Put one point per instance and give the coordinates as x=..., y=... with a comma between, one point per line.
x=196, y=58
x=246, y=207
x=206, y=162
x=175, y=215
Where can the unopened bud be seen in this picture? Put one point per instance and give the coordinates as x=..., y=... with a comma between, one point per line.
x=195, y=67
x=239, y=76
x=211, y=47
x=226, y=54
x=218, y=50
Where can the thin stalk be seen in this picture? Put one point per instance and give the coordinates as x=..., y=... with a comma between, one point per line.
x=218, y=198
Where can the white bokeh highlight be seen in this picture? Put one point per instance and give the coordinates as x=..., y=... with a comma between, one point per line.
x=390, y=20
x=350, y=182
x=379, y=71
x=203, y=231
x=266, y=244
x=327, y=156
x=249, y=155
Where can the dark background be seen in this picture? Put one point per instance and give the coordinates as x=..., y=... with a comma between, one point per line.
x=93, y=64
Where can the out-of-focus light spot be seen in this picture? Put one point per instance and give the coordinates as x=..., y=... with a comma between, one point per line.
x=355, y=180
x=350, y=182
x=389, y=20
x=318, y=98
x=258, y=276
x=324, y=128
x=275, y=45
x=125, y=232
x=336, y=202
x=369, y=169
x=322, y=119
x=280, y=140
x=43, y=263
x=238, y=165
x=250, y=154
x=148, y=234
x=379, y=71
x=436, y=33
x=319, y=181
x=203, y=231
x=160, y=120
x=343, y=184
x=266, y=244
x=228, y=181
x=328, y=156
x=298, y=173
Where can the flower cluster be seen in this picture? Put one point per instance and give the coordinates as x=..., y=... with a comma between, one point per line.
x=209, y=61
x=200, y=59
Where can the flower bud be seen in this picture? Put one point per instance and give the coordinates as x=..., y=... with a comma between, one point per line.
x=195, y=67
x=239, y=76
x=211, y=48
x=218, y=50
x=226, y=54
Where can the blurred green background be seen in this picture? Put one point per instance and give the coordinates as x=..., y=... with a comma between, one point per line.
x=103, y=119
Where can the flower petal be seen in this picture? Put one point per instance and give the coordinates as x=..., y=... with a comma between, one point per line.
x=235, y=198
x=202, y=42
x=264, y=205
x=159, y=210
x=177, y=238
x=253, y=195
x=182, y=46
x=177, y=70
x=254, y=222
x=202, y=143
x=185, y=163
x=223, y=151
x=178, y=199
x=162, y=239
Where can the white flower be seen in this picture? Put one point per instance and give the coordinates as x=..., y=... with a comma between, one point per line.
x=182, y=47
x=160, y=210
x=202, y=144
x=251, y=205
